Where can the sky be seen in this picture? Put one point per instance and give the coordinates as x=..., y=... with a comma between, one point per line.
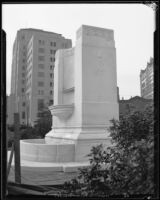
x=133, y=26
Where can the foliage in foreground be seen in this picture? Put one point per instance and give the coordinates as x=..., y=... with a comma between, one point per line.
x=126, y=168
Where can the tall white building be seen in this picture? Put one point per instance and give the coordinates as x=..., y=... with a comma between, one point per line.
x=146, y=81
x=32, y=72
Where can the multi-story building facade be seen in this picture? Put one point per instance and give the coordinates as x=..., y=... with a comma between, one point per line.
x=33, y=72
x=146, y=81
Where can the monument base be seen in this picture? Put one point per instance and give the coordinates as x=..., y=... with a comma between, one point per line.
x=83, y=139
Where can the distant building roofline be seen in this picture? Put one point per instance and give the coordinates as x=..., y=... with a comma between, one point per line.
x=39, y=30
x=135, y=98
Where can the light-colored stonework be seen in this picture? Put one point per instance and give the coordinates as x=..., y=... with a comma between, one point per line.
x=85, y=93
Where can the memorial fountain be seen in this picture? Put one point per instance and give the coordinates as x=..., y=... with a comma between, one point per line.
x=85, y=100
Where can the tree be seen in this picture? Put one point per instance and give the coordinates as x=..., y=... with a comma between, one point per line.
x=127, y=167
x=29, y=133
x=44, y=122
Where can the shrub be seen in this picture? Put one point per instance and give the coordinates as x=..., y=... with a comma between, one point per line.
x=123, y=169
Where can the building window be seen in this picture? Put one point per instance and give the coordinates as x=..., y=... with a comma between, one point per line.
x=53, y=44
x=40, y=74
x=40, y=92
x=23, y=104
x=23, y=60
x=23, y=115
x=41, y=58
x=40, y=104
x=40, y=83
x=22, y=90
x=51, y=102
x=23, y=74
x=51, y=92
x=41, y=42
x=23, y=37
x=23, y=81
x=52, y=59
x=52, y=51
x=51, y=66
x=41, y=50
x=41, y=66
x=23, y=67
x=51, y=75
x=51, y=84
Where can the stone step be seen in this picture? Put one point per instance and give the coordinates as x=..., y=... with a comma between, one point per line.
x=48, y=166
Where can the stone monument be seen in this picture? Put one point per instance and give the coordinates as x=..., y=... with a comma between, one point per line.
x=85, y=94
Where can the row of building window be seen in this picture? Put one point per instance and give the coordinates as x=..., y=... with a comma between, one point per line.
x=41, y=74
x=41, y=42
x=41, y=50
x=41, y=83
x=40, y=105
x=41, y=66
x=52, y=44
x=41, y=92
x=52, y=59
x=52, y=51
x=42, y=58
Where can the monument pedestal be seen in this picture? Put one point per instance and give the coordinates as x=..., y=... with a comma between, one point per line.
x=85, y=92
x=83, y=140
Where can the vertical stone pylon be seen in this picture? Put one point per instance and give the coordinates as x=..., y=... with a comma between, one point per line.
x=87, y=94
x=95, y=86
